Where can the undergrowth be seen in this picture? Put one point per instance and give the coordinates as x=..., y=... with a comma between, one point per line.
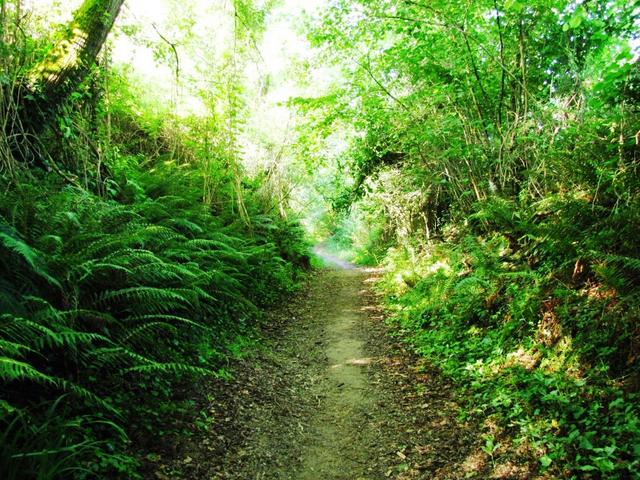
x=135, y=260
x=105, y=304
x=533, y=311
x=499, y=186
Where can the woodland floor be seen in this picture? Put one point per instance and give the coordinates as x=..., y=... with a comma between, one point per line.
x=331, y=396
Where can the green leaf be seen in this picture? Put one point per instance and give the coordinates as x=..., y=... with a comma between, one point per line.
x=587, y=468
x=513, y=5
x=545, y=461
x=585, y=444
x=578, y=17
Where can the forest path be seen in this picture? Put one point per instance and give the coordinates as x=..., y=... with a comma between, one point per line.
x=332, y=396
x=343, y=431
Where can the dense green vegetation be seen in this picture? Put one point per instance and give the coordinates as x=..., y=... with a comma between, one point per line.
x=493, y=158
x=485, y=152
x=134, y=259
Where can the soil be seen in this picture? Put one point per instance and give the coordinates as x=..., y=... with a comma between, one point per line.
x=332, y=395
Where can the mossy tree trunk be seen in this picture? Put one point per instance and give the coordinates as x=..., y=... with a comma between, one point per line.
x=53, y=79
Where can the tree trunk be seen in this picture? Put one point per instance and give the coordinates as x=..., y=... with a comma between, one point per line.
x=52, y=80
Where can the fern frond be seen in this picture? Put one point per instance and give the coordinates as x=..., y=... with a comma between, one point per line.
x=627, y=263
x=12, y=370
x=51, y=244
x=160, y=273
x=159, y=232
x=104, y=245
x=97, y=317
x=117, y=357
x=73, y=339
x=93, y=268
x=167, y=318
x=221, y=281
x=151, y=299
x=184, y=226
x=13, y=349
x=131, y=257
x=27, y=332
x=173, y=368
x=114, y=217
x=178, y=255
x=41, y=310
x=150, y=330
x=6, y=407
x=11, y=241
x=471, y=284
x=202, y=295
x=205, y=244
x=174, y=202
x=63, y=218
x=153, y=210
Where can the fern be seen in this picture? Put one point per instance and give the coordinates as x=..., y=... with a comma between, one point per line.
x=184, y=226
x=159, y=234
x=122, y=291
x=619, y=271
x=26, y=331
x=94, y=269
x=148, y=331
x=175, y=202
x=87, y=316
x=172, y=368
x=167, y=318
x=161, y=273
x=27, y=335
x=151, y=299
x=114, y=218
x=71, y=339
x=105, y=244
x=206, y=244
x=118, y=357
x=12, y=370
x=6, y=408
x=51, y=244
x=54, y=446
x=131, y=257
x=12, y=242
x=13, y=349
x=630, y=264
x=203, y=296
x=153, y=211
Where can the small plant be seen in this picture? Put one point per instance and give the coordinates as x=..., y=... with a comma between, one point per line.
x=490, y=447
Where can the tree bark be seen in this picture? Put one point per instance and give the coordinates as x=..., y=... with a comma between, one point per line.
x=53, y=79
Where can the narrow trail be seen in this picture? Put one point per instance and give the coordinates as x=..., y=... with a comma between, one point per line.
x=333, y=396
x=341, y=430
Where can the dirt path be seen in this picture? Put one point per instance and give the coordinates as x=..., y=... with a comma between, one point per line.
x=341, y=430
x=332, y=396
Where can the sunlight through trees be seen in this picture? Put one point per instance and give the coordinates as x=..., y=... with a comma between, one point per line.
x=166, y=166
